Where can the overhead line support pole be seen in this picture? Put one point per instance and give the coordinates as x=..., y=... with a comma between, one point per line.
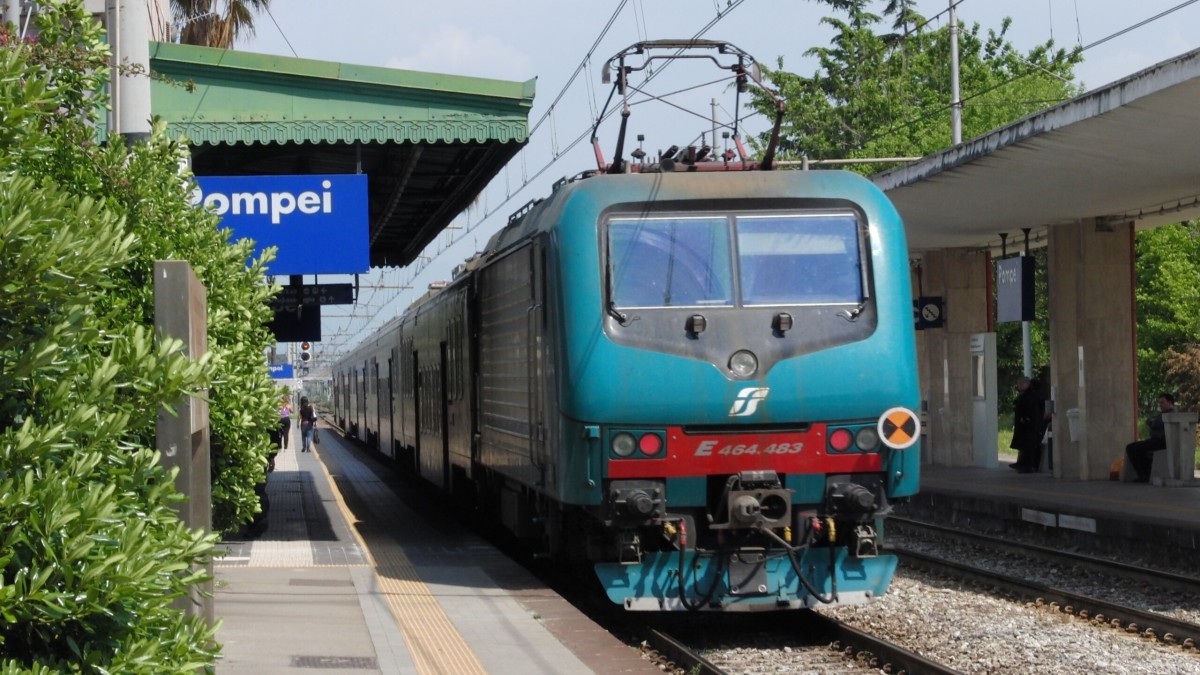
x=956, y=103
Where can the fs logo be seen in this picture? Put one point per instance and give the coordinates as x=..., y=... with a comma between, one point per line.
x=747, y=401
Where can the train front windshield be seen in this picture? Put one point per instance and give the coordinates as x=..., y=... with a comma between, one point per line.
x=694, y=261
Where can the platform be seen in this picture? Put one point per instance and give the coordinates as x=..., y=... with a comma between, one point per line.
x=357, y=573
x=1099, y=516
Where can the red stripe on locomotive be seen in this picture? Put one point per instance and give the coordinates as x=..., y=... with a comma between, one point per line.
x=708, y=454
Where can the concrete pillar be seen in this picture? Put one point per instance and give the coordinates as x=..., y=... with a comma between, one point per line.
x=1092, y=367
x=181, y=311
x=960, y=276
x=132, y=54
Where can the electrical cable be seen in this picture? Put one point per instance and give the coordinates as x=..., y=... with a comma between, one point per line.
x=942, y=108
x=1135, y=26
x=587, y=134
x=267, y=9
x=559, y=152
x=548, y=115
x=580, y=68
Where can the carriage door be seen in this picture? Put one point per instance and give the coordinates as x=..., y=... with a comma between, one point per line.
x=444, y=414
x=356, y=408
x=415, y=382
x=393, y=378
x=378, y=398
x=364, y=434
x=537, y=360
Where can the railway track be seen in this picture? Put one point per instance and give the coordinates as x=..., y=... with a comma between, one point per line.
x=879, y=653
x=1081, y=605
x=985, y=622
x=805, y=641
x=739, y=643
x=1134, y=573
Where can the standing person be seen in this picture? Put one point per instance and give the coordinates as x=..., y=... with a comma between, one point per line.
x=1028, y=416
x=285, y=420
x=274, y=433
x=308, y=418
x=1140, y=454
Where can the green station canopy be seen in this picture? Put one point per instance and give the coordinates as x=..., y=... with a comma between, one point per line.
x=429, y=143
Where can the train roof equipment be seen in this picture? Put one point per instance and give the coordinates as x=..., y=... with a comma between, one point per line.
x=725, y=56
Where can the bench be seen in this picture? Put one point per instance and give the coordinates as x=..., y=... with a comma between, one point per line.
x=1176, y=464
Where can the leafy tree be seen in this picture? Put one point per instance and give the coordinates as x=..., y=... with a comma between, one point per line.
x=92, y=551
x=1181, y=375
x=887, y=94
x=1167, y=301
x=216, y=23
x=885, y=91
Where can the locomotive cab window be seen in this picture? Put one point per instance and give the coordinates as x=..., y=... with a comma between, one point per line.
x=799, y=260
x=778, y=259
x=669, y=262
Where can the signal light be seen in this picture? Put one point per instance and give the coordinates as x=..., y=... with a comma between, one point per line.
x=305, y=352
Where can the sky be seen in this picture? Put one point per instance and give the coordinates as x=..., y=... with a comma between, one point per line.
x=563, y=44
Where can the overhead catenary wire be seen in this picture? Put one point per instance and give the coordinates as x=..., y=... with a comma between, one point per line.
x=490, y=209
x=582, y=67
x=557, y=151
x=1139, y=24
x=943, y=108
x=267, y=9
x=586, y=134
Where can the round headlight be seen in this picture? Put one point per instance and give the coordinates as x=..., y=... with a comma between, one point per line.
x=867, y=439
x=743, y=363
x=623, y=444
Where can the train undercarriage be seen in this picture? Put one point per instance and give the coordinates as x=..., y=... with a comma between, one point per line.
x=754, y=550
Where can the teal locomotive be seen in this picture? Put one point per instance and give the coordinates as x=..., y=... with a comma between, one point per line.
x=703, y=383
x=697, y=378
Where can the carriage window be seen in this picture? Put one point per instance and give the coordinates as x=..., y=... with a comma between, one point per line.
x=799, y=259
x=670, y=262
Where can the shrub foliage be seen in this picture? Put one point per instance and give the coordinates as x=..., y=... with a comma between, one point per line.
x=92, y=551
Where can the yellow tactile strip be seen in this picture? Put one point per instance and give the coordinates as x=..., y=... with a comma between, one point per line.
x=434, y=643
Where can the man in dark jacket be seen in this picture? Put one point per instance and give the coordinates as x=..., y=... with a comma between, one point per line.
x=1140, y=454
x=1028, y=426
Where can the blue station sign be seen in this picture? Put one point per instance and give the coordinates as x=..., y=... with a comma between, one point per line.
x=281, y=371
x=317, y=222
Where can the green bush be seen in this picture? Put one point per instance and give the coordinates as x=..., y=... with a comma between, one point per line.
x=92, y=552
x=47, y=132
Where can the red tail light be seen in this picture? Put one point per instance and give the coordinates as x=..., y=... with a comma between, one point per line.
x=650, y=444
x=841, y=440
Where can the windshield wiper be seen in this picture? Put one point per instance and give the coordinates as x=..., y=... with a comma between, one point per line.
x=853, y=314
x=622, y=319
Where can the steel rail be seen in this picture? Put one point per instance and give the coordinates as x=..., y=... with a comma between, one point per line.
x=1176, y=582
x=884, y=655
x=1161, y=627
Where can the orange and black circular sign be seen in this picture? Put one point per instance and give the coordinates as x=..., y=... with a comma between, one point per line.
x=899, y=428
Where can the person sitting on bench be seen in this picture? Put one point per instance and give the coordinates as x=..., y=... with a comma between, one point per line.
x=1140, y=454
